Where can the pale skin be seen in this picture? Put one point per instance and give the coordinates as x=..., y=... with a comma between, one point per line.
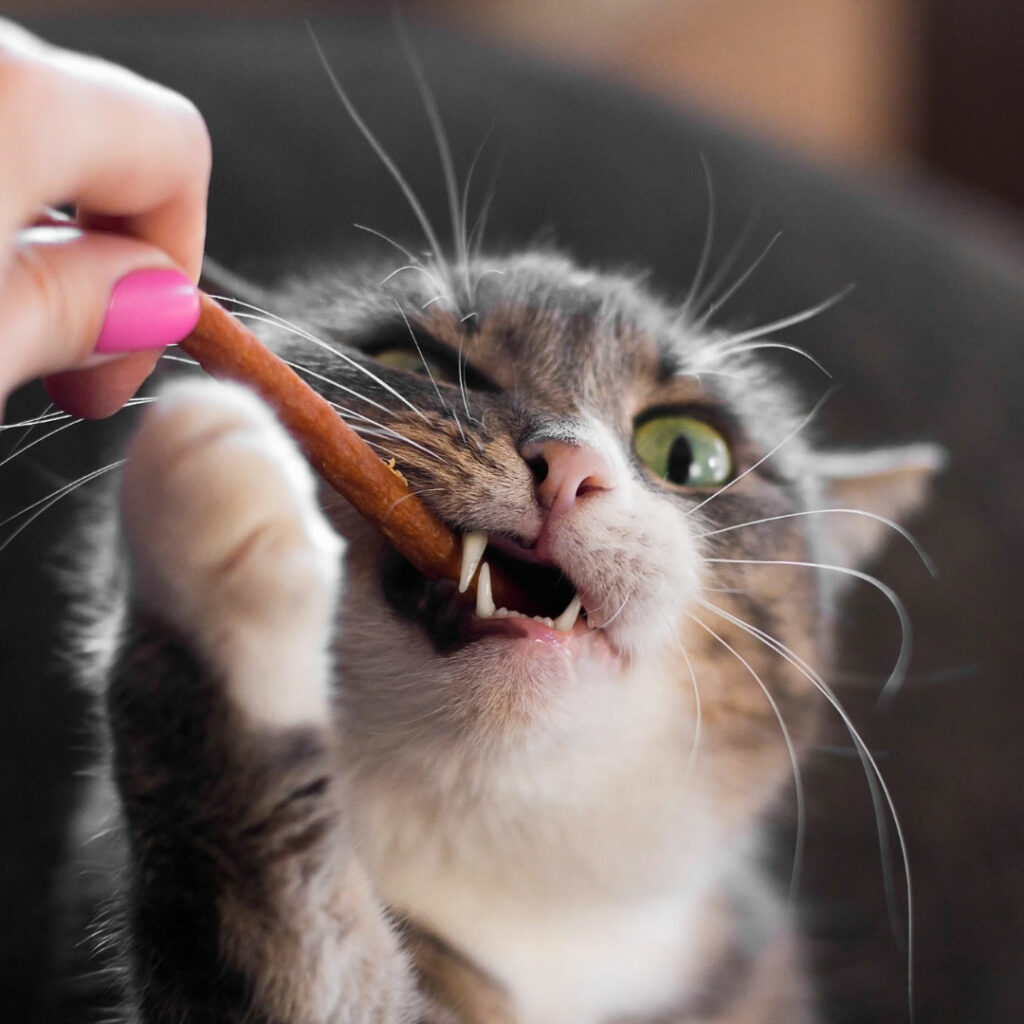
x=133, y=159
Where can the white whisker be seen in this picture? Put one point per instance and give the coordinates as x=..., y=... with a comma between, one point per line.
x=764, y=458
x=798, y=786
x=698, y=726
x=418, y=268
x=881, y=797
x=73, y=422
x=337, y=354
x=423, y=359
x=443, y=148
x=899, y=670
x=382, y=155
x=331, y=382
x=724, y=268
x=387, y=431
x=902, y=531
x=709, y=235
x=387, y=238
x=43, y=504
x=737, y=284
x=468, y=240
x=732, y=350
x=792, y=321
x=46, y=416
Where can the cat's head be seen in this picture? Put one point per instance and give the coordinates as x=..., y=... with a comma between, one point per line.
x=610, y=453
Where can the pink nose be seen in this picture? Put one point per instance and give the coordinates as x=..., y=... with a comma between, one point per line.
x=565, y=472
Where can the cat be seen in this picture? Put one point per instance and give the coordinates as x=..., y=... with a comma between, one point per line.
x=338, y=793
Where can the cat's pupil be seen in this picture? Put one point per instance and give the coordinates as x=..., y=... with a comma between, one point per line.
x=680, y=460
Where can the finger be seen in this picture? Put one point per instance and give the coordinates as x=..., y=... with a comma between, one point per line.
x=100, y=391
x=78, y=129
x=67, y=292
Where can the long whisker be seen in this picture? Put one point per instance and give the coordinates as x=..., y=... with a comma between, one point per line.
x=331, y=382
x=731, y=350
x=419, y=352
x=792, y=321
x=431, y=278
x=43, y=504
x=22, y=445
x=72, y=422
x=798, y=785
x=737, y=284
x=724, y=268
x=709, y=236
x=698, y=726
x=443, y=148
x=391, y=432
x=881, y=797
x=426, y=367
x=381, y=152
x=387, y=238
x=764, y=458
x=337, y=354
x=477, y=231
x=49, y=415
x=926, y=560
x=899, y=670
x=468, y=238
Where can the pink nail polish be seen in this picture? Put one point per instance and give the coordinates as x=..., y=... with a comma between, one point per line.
x=149, y=309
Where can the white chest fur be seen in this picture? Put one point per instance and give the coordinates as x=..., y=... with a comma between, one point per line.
x=578, y=877
x=576, y=965
x=594, y=911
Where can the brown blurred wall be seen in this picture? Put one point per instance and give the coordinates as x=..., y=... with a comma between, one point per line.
x=839, y=79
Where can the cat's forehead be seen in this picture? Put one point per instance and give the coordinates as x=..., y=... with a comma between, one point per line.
x=536, y=324
x=542, y=316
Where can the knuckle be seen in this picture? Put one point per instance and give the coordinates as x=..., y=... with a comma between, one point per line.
x=23, y=88
x=196, y=135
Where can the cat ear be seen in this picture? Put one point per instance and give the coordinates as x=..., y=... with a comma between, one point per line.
x=892, y=483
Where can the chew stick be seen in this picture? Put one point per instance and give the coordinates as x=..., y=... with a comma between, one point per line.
x=227, y=350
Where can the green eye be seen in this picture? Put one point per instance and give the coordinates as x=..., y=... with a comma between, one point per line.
x=684, y=450
x=410, y=361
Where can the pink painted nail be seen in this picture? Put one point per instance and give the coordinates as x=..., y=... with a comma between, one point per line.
x=149, y=309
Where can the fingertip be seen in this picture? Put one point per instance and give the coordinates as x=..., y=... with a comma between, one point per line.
x=99, y=391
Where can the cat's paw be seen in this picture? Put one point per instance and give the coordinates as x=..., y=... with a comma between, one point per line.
x=230, y=549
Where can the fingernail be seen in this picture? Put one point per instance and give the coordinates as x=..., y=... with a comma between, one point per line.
x=149, y=309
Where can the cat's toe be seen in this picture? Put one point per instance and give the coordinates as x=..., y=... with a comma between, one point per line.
x=229, y=546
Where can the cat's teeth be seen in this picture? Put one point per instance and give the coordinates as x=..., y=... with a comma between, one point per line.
x=567, y=619
x=473, y=546
x=485, y=607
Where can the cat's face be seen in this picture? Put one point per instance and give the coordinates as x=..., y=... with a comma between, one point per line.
x=602, y=446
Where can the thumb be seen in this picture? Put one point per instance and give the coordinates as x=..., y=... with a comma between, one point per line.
x=75, y=300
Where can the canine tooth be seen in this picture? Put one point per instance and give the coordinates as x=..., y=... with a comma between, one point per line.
x=473, y=545
x=567, y=619
x=485, y=607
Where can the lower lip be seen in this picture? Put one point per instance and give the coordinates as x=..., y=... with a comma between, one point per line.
x=522, y=628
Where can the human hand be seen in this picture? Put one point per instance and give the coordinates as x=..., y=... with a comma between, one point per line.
x=133, y=158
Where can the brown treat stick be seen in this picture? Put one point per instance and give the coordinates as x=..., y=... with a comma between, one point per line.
x=227, y=350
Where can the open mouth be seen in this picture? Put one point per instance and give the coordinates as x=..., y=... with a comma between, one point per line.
x=548, y=599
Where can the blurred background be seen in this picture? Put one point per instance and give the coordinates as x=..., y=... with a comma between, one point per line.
x=882, y=86
x=918, y=95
